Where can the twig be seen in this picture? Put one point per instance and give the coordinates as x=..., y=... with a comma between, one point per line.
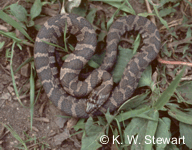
x=152, y=18
x=160, y=59
x=173, y=62
x=7, y=3
x=2, y=102
x=5, y=70
x=172, y=24
x=176, y=43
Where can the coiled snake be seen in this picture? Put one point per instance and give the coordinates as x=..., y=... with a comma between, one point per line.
x=69, y=94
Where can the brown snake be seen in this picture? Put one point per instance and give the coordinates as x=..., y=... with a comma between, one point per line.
x=69, y=94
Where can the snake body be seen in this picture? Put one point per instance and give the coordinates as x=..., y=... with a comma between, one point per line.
x=65, y=91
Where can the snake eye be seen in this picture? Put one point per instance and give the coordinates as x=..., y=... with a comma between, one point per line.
x=91, y=105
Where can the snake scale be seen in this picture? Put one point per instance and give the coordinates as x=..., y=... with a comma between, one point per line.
x=62, y=86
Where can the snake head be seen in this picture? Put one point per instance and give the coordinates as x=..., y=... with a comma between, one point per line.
x=100, y=94
x=95, y=101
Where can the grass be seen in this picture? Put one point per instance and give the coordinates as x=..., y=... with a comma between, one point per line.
x=29, y=142
x=163, y=110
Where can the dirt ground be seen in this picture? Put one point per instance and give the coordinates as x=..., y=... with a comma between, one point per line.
x=49, y=129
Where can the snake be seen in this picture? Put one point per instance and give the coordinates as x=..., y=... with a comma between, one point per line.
x=96, y=94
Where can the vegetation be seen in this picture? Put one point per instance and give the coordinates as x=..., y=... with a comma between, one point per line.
x=163, y=110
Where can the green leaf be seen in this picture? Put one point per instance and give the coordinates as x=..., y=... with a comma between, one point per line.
x=13, y=23
x=143, y=129
x=122, y=60
x=55, y=45
x=163, y=2
x=111, y=20
x=90, y=143
x=134, y=102
x=136, y=43
x=91, y=15
x=102, y=35
x=166, y=11
x=28, y=60
x=93, y=64
x=186, y=133
x=145, y=14
x=130, y=8
x=12, y=75
x=96, y=60
x=171, y=147
x=93, y=132
x=32, y=95
x=101, y=120
x=81, y=11
x=133, y=128
x=36, y=9
x=166, y=51
x=2, y=44
x=14, y=38
x=151, y=128
x=132, y=113
x=91, y=128
x=166, y=95
x=106, y=0
x=119, y=5
x=80, y=125
x=145, y=79
x=163, y=131
x=16, y=136
x=164, y=22
x=101, y=22
x=109, y=117
x=30, y=23
x=19, y=12
x=182, y=116
x=11, y=35
x=185, y=91
x=188, y=2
